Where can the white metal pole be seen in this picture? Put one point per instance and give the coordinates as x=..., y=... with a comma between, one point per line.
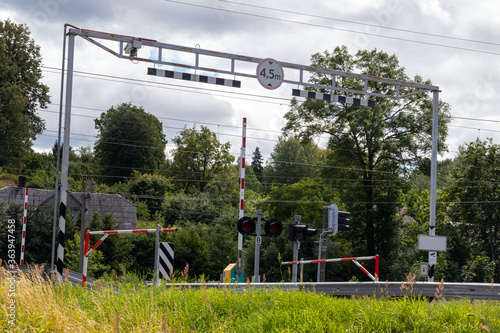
x=239, y=266
x=432, y=214
x=58, y=159
x=65, y=158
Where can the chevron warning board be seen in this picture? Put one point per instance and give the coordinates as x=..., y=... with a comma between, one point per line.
x=166, y=264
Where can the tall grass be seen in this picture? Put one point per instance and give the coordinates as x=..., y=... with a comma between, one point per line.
x=46, y=307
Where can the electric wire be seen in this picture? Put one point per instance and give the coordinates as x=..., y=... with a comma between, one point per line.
x=232, y=126
x=361, y=23
x=334, y=28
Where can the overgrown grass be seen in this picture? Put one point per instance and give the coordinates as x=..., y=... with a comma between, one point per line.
x=47, y=307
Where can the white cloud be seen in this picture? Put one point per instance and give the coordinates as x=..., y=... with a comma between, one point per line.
x=434, y=9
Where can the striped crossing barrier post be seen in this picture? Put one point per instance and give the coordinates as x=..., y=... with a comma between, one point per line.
x=25, y=218
x=353, y=259
x=105, y=234
x=239, y=262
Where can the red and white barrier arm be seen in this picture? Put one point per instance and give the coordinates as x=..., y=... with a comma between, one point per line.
x=353, y=259
x=106, y=233
x=134, y=231
x=364, y=270
x=327, y=260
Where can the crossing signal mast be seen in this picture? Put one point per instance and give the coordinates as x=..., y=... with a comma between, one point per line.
x=248, y=226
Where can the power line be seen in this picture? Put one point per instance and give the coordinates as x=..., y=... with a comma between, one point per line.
x=333, y=28
x=360, y=23
x=126, y=80
x=170, y=86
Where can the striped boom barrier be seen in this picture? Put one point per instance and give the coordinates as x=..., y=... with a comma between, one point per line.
x=353, y=259
x=194, y=77
x=105, y=234
x=333, y=98
x=25, y=218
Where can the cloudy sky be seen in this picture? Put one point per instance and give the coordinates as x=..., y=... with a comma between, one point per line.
x=454, y=44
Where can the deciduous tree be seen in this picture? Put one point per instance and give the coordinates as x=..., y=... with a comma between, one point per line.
x=369, y=147
x=292, y=160
x=199, y=156
x=129, y=139
x=21, y=92
x=476, y=191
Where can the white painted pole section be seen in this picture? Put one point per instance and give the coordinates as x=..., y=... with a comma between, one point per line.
x=25, y=218
x=65, y=158
x=239, y=266
x=432, y=257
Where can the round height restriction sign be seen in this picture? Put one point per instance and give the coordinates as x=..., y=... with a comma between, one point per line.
x=270, y=73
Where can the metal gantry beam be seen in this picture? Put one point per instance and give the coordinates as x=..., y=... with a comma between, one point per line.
x=233, y=69
x=90, y=35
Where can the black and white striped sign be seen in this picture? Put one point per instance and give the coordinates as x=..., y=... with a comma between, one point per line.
x=194, y=77
x=333, y=98
x=166, y=264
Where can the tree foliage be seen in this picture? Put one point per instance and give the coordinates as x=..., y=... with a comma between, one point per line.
x=292, y=160
x=199, y=156
x=476, y=192
x=129, y=139
x=150, y=188
x=21, y=92
x=369, y=147
x=257, y=164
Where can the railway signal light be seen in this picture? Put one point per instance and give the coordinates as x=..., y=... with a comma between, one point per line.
x=338, y=220
x=246, y=226
x=308, y=233
x=273, y=228
x=343, y=221
x=300, y=232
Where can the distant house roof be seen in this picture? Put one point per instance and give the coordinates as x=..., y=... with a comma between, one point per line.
x=123, y=210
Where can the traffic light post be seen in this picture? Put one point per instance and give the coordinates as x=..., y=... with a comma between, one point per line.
x=296, y=246
x=248, y=226
x=297, y=233
x=258, y=241
x=333, y=221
